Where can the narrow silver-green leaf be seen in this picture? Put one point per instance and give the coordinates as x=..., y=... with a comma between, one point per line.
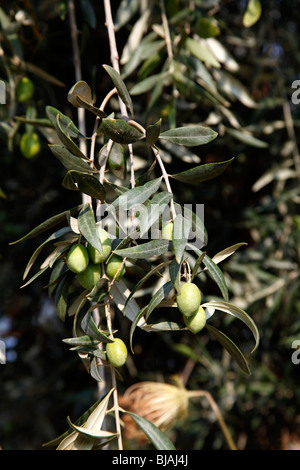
x=66, y=139
x=68, y=160
x=49, y=223
x=158, y=296
x=231, y=347
x=190, y=135
x=85, y=183
x=236, y=312
x=65, y=122
x=59, y=233
x=157, y=437
x=154, y=210
x=88, y=227
x=119, y=131
x=90, y=328
x=145, y=278
x=84, y=340
x=120, y=86
x=181, y=231
x=217, y=275
x=202, y=172
x=61, y=296
x=135, y=196
x=145, y=250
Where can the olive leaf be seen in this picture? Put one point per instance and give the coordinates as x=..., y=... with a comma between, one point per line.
x=231, y=347
x=189, y=135
x=49, y=223
x=85, y=183
x=120, y=86
x=145, y=250
x=88, y=227
x=119, y=131
x=69, y=160
x=202, y=172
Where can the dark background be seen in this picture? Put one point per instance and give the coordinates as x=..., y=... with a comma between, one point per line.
x=42, y=381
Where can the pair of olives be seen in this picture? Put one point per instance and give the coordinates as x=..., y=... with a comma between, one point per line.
x=86, y=261
x=188, y=302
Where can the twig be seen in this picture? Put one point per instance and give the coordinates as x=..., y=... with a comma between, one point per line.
x=115, y=63
x=78, y=77
x=218, y=414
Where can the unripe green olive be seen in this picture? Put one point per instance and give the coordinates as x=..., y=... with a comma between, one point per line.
x=24, y=89
x=113, y=266
x=95, y=255
x=189, y=299
x=167, y=231
x=90, y=276
x=116, y=352
x=30, y=145
x=196, y=322
x=77, y=258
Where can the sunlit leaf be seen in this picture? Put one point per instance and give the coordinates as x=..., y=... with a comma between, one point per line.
x=181, y=231
x=200, y=50
x=217, y=275
x=145, y=250
x=252, y=13
x=153, y=211
x=88, y=227
x=157, y=437
x=236, y=312
x=136, y=196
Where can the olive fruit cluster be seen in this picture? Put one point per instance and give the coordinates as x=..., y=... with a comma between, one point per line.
x=116, y=352
x=86, y=261
x=188, y=302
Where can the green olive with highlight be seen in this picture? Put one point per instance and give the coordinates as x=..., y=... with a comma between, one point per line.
x=77, y=258
x=116, y=352
x=188, y=299
x=113, y=267
x=196, y=322
x=90, y=276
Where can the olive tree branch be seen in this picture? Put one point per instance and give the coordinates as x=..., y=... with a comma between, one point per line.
x=78, y=77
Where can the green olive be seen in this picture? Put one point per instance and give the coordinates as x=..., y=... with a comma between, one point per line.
x=77, y=258
x=90, y=276
x=112, y=267
x=196, y=322
x=95, y=255
x=167, y=231
x=24, y=89
x=116, y=352
x=189, y=299
x=30, y=145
